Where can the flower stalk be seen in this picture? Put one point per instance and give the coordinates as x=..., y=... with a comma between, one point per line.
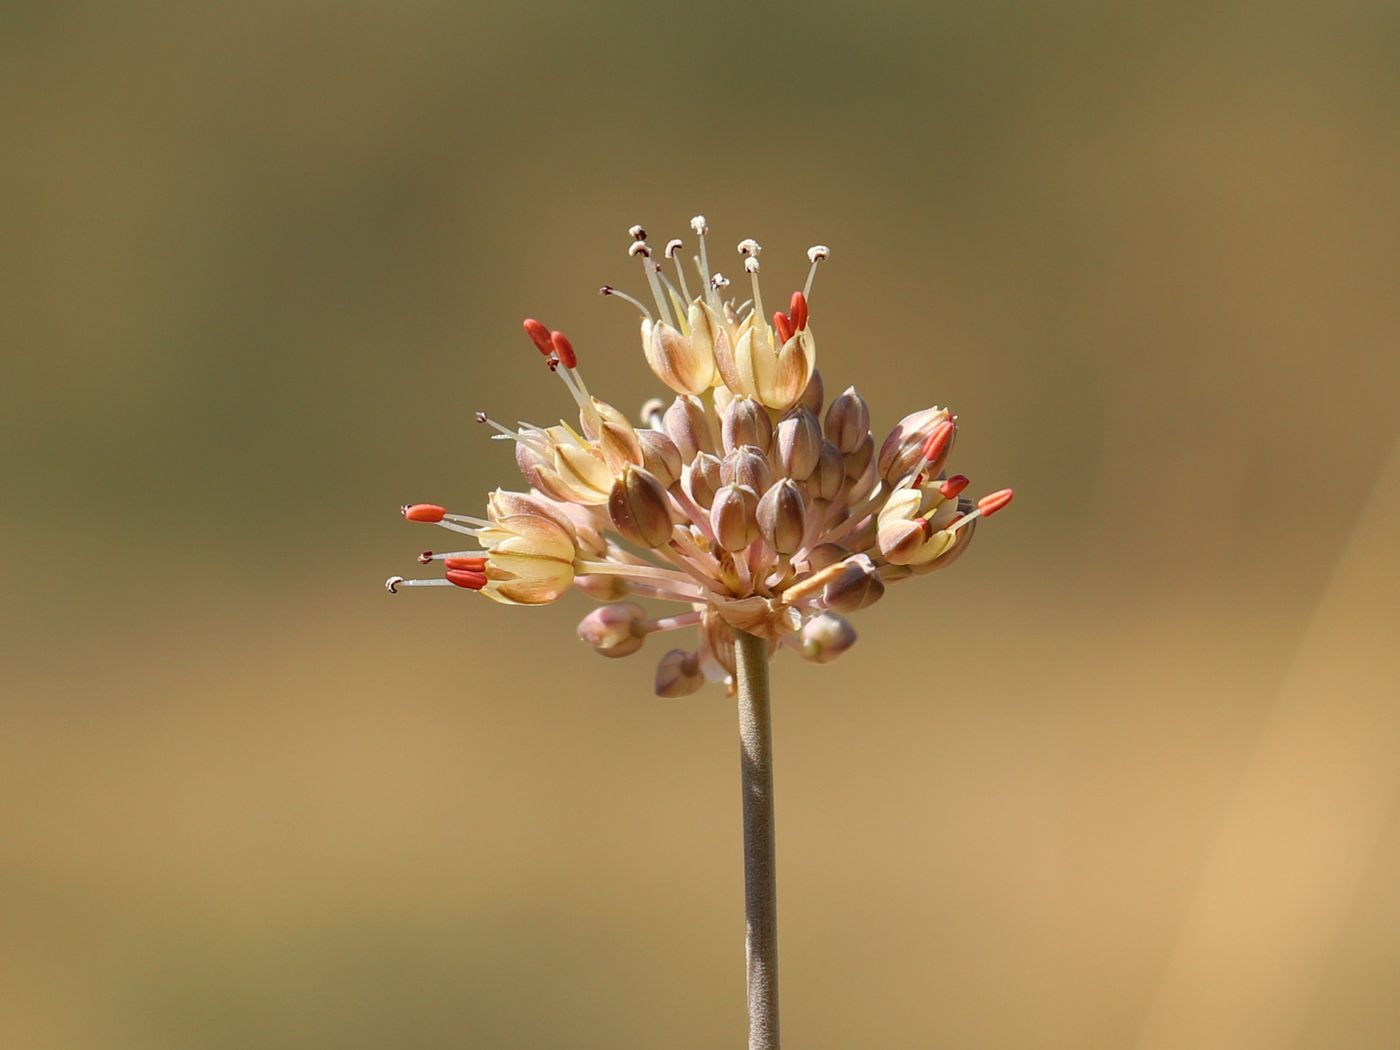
x=760, y=870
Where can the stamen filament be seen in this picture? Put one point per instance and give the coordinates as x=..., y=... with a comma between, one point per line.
x=608, y=289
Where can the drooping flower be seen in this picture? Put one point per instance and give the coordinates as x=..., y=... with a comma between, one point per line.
x=737, y=501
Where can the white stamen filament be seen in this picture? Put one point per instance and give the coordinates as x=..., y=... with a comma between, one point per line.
x=608, y=289
x=506, y=434
x=671, y=623
x=651, y=270
x=816, y=253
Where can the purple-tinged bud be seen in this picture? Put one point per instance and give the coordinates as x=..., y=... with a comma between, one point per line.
x=830, y=475
x=848, y=421
x=826, y=554
x=858, y=586
x=640, y=509
x=858, y=459
x=687, y=423
x=826, y=637
x=678, y=674
x=782, y=517
x=746, y=466
x=660, y=456
x=603, y=587
x=703, y=479
x=746, y=422
x=799, y=444
x=814, y=395
x=614, y=630
x=734, y=517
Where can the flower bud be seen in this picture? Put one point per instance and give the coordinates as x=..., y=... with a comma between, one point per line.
x=826, y=554
x=685, y=363
x=702, y=479
x=826, y=637
x=814, y=395
x=903, y=449
x=734, y=517
x=603, y=587
x=858, y=459
x=678, y=674
x=830, y=475
x=848, y=421
x=687, y=423
x=799, y=444
x=614, y=630
x=858, y=586
x=746, y=466
x=782, y=517
x=660, y=456
x=746, y=422
x=640, y=509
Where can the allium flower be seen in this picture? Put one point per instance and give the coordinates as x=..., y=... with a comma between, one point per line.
x=738, y=499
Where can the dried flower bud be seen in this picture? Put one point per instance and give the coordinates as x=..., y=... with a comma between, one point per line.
x=848, y=421
x=745, y=422
x=678, y=674
x=734, y=517
x=782, y=517
x=660, y=456
x=903, y=449
x=799, y=443
x=815, y=394
x=858, y=586
x=826, y=481
x=640, y=509
x=687, y=423
x=746, y=466
x=614, y=630
x=826, y=637
x=826, y=554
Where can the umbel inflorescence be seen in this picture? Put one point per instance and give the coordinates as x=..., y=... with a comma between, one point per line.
x=739, y=500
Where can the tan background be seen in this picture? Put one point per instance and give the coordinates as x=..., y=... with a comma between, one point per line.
x=1125, y=778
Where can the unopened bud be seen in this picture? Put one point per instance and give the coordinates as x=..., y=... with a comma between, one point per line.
x=746, y=466
x=640, y=509
x=799, y=444
x=782, y=517
x=826, y=637
x=815, y=394
x=858, y=586
x=848, y=421
x=614, y=630
x=746, y=422
x=703, y=479
x=678, y=674
x=826, y=481
x=859, y=458
x=903, y=449
x=734, y=517
x=660, y=456
x=687, y=423
x=826, y=554
x=603, y=587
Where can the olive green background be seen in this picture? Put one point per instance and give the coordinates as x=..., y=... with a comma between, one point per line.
x=1125, y=777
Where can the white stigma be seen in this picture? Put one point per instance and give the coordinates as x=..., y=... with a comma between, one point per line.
x=698, y=225
x=719, y=281
x=637, y=233
x=639, y=248
x=672, y=246
x=749, y=246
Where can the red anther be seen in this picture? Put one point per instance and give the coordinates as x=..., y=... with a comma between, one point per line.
x=953, y=486
x=465, y=564
x=539, y=335
x=798, y=311
x=429, y=512
x=564, y=348
x=425, y=557
x=472, y=581
x=939, y=440
x=783, y=325
x=989, y=505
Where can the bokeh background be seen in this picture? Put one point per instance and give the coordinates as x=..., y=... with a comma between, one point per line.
x=1127, y=777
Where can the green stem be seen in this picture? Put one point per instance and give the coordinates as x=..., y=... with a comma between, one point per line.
x=760, y=873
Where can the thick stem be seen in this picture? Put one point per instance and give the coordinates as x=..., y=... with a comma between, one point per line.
x=760, y=873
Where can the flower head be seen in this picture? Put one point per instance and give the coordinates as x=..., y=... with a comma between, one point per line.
x=737, y=501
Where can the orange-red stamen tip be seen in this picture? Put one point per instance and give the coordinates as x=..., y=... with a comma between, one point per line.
x=539, y=335
x=989, y=505
x=938, y=441
x=559, y=343
x=953, y=486
x=798, y=311
x=472, y=581
x=782, y=325
x=429, y=512
x=476, y=565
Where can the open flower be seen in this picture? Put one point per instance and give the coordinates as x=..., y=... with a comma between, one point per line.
x=738, y=501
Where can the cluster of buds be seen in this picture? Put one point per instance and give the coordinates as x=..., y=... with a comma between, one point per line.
x=746, y=499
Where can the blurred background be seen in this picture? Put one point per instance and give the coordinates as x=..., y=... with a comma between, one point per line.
x=1125, y=778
